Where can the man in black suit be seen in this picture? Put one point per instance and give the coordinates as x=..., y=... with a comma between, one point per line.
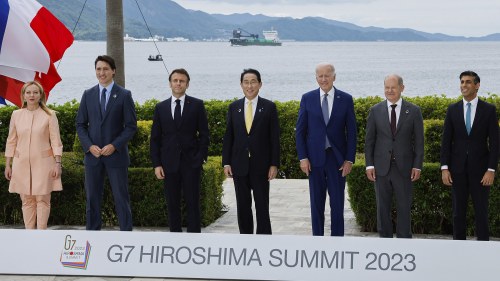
x=105, y=123
x=179, y=146
x=469, y=155
x=251, y=152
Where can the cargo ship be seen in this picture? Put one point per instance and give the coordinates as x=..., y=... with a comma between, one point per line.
x=242, y=37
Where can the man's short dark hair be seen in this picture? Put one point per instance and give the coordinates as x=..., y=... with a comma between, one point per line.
x=107, y=59
x=180, y=71
x=252, y=71
x=471, y=73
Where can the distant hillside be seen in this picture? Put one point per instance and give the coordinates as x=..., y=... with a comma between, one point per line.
x=240, y=19
x=167, y=18
x=164, y=17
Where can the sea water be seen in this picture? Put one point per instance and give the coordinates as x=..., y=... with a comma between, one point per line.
x=427, y=68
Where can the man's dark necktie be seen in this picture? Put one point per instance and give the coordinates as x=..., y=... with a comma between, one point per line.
x=103, y=101
x=393, y=119
x=177, y=113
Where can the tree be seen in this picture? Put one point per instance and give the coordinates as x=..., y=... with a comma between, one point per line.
x=114, y=30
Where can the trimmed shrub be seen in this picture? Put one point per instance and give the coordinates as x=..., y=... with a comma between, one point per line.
x=139, y=145
x=66, y=116
x=146, y=110
x=361, y=109
x=432, y=209
x=146, y=195
x=5, y=113
x=289, y=163
x=433, y=130
x=433, y=107
x=216, y=114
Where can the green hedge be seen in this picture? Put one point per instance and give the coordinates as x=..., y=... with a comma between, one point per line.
x=433, y=108
x=433, y=130
x=5, y=113
x=146, y=195
x=432, y=209
x=66, y=116
x=216, y=114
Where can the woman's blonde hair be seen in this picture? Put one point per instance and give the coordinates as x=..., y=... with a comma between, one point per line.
x=42, y=96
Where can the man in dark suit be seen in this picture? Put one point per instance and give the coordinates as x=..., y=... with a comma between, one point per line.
x=179, y=147
x=326, y=146
x=105, y=123
x=469, y=155
x=251, y=152
x=394, y=154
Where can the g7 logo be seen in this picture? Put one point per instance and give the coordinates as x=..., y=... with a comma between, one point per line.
x=69, y=243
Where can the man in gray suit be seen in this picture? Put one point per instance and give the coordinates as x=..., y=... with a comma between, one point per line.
x=394, y=153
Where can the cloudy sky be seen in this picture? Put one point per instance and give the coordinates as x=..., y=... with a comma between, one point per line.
x=452, y=17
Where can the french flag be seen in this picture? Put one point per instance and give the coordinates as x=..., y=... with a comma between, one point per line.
x=31, y=41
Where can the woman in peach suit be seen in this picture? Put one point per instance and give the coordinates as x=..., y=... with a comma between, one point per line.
x=34, y=145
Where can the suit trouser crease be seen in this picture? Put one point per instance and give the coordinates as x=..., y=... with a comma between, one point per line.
x=465, y=184
x=244, y=186
x=402, y=188
x=322, y=180
x=94, y=187
x=184, y=183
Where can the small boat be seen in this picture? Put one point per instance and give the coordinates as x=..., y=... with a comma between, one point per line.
x=155, y=58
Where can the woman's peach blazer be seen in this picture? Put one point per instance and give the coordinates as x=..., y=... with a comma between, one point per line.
x=33, y=141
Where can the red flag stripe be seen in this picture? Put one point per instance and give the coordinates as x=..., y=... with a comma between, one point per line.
x=54, y=35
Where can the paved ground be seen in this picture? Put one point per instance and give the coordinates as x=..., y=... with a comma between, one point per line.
x=290, y=214
x=289, y=208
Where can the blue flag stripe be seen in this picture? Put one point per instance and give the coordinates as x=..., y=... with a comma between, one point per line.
x=4, y=15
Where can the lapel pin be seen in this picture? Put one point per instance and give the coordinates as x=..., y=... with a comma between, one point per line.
x=114, y=96
x=261, y=109
x=338, y=97
x=239, y=109
x=407, y=111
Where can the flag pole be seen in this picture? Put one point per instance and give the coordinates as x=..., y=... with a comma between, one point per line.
x=114, y=44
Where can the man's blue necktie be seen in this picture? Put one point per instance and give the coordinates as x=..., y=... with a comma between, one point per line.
x=326, y=116
x=103, y=101
x=467, y=119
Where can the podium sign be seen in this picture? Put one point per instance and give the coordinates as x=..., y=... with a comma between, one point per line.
x=247, y=257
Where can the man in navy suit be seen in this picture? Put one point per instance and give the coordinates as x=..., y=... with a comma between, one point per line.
x=251, y=152
x=469, y=156
x=326, y=146
x=105, y=123
x=179, y=146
